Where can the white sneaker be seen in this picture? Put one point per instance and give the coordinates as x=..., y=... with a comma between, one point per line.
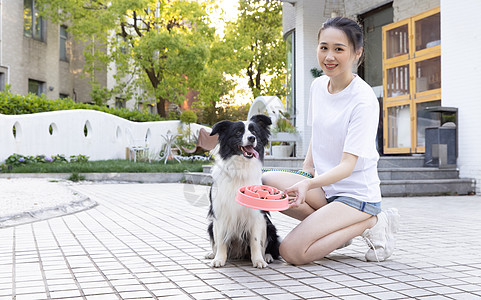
x=380, y=238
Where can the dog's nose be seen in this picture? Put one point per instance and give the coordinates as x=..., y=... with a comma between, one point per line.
x=251, y=139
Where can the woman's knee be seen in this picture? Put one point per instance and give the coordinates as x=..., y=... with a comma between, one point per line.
x=280, y=180
x=268, y=178
x=291, y=254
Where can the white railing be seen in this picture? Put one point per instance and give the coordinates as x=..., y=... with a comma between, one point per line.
x=99, y=135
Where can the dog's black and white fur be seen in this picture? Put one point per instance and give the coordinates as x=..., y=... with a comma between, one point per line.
x=237, y=231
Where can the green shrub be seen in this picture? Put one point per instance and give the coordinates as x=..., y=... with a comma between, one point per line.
x=59, y=158
x=12, y=104
x=283, y=124
x=79, y=158
x=16, y=160
x=19, y=159
x=76, y=177
x=188, y=116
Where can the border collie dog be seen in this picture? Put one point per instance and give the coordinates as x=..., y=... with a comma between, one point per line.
x=236, y=231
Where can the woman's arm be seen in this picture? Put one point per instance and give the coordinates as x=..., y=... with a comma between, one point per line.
x=342, y=170
x=308, y=165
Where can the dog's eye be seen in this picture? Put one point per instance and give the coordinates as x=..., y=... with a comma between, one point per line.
x=239, y=133
x=253, y=132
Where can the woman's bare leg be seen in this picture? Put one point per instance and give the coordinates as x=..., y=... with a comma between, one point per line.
x=315, y=198
x=324, y=231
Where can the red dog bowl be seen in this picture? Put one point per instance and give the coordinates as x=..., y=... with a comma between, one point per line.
x=262, y=197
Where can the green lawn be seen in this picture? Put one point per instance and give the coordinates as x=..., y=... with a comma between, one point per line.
x=110, y=166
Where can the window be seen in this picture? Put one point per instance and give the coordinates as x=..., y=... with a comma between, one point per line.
x=119, y=103
x=152, y=108
x=2, y=81
x=290, y=84
x=63, y=96
x=33, y=24
x=63, y=43
x=36, y=87
x=122, y=42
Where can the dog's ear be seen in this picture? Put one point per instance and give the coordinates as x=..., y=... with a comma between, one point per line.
x=220, y=127
x=261, y=120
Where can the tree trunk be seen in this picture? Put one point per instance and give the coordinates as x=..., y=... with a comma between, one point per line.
x=161, y=107
x=155, y=83
x=258, y=79
x=250, y=76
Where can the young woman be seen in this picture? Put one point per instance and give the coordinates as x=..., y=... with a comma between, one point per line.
x=343, y=199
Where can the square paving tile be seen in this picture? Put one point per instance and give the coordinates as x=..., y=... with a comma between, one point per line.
x=147, y=240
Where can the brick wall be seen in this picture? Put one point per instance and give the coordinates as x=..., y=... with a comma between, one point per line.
x=407, y=8
x=461, y=76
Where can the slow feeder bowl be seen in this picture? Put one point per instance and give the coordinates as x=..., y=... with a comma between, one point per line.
x=262, y=197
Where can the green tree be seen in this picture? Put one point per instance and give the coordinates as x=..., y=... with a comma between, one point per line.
x=256, y=38
x=215, y=86
x=159, y=46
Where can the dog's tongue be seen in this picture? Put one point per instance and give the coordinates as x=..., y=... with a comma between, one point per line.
x=252, y=151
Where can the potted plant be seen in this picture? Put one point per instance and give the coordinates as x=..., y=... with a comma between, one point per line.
x=283, y=134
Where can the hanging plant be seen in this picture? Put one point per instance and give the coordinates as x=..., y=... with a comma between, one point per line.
x=316, y=72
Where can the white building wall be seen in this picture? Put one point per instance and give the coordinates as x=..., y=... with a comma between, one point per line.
x=288, y=17
x=309, y=18
x=461, y=77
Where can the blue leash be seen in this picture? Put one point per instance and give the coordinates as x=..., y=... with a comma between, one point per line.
x=300, y=172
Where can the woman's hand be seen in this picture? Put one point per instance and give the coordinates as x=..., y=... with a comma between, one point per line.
x=299, y=190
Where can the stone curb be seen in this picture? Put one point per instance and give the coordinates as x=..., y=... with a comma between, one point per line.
x=189, y=177
x=47, y=213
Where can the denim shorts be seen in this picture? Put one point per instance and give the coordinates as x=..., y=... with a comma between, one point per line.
x=372, y=208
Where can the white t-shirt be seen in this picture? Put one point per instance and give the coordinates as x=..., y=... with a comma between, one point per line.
x=346, y=122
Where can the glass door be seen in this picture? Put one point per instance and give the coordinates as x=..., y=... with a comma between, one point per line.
x=398, y=127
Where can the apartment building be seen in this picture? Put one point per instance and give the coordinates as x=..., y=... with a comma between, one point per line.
x=39, y=56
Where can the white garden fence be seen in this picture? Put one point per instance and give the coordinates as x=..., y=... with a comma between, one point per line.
x=99, y=135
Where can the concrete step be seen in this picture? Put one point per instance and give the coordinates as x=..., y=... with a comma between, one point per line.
x=384, y=162
x=433, y=187
x=400, y=162
x=283, y=162
x=416, y=173
x=206, y=168
x=202, y=178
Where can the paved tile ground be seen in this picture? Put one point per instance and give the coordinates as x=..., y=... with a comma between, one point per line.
x=148, y=241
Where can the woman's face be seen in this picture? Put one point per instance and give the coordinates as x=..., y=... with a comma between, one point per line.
x=335, y=54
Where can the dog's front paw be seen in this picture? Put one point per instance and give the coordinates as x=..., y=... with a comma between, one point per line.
x=209, y=255
x=216, y=263
x=269, y=258
x=259, y=263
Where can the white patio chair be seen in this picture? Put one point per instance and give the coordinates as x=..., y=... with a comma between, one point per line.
x=169, y=139
x=137, y=146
